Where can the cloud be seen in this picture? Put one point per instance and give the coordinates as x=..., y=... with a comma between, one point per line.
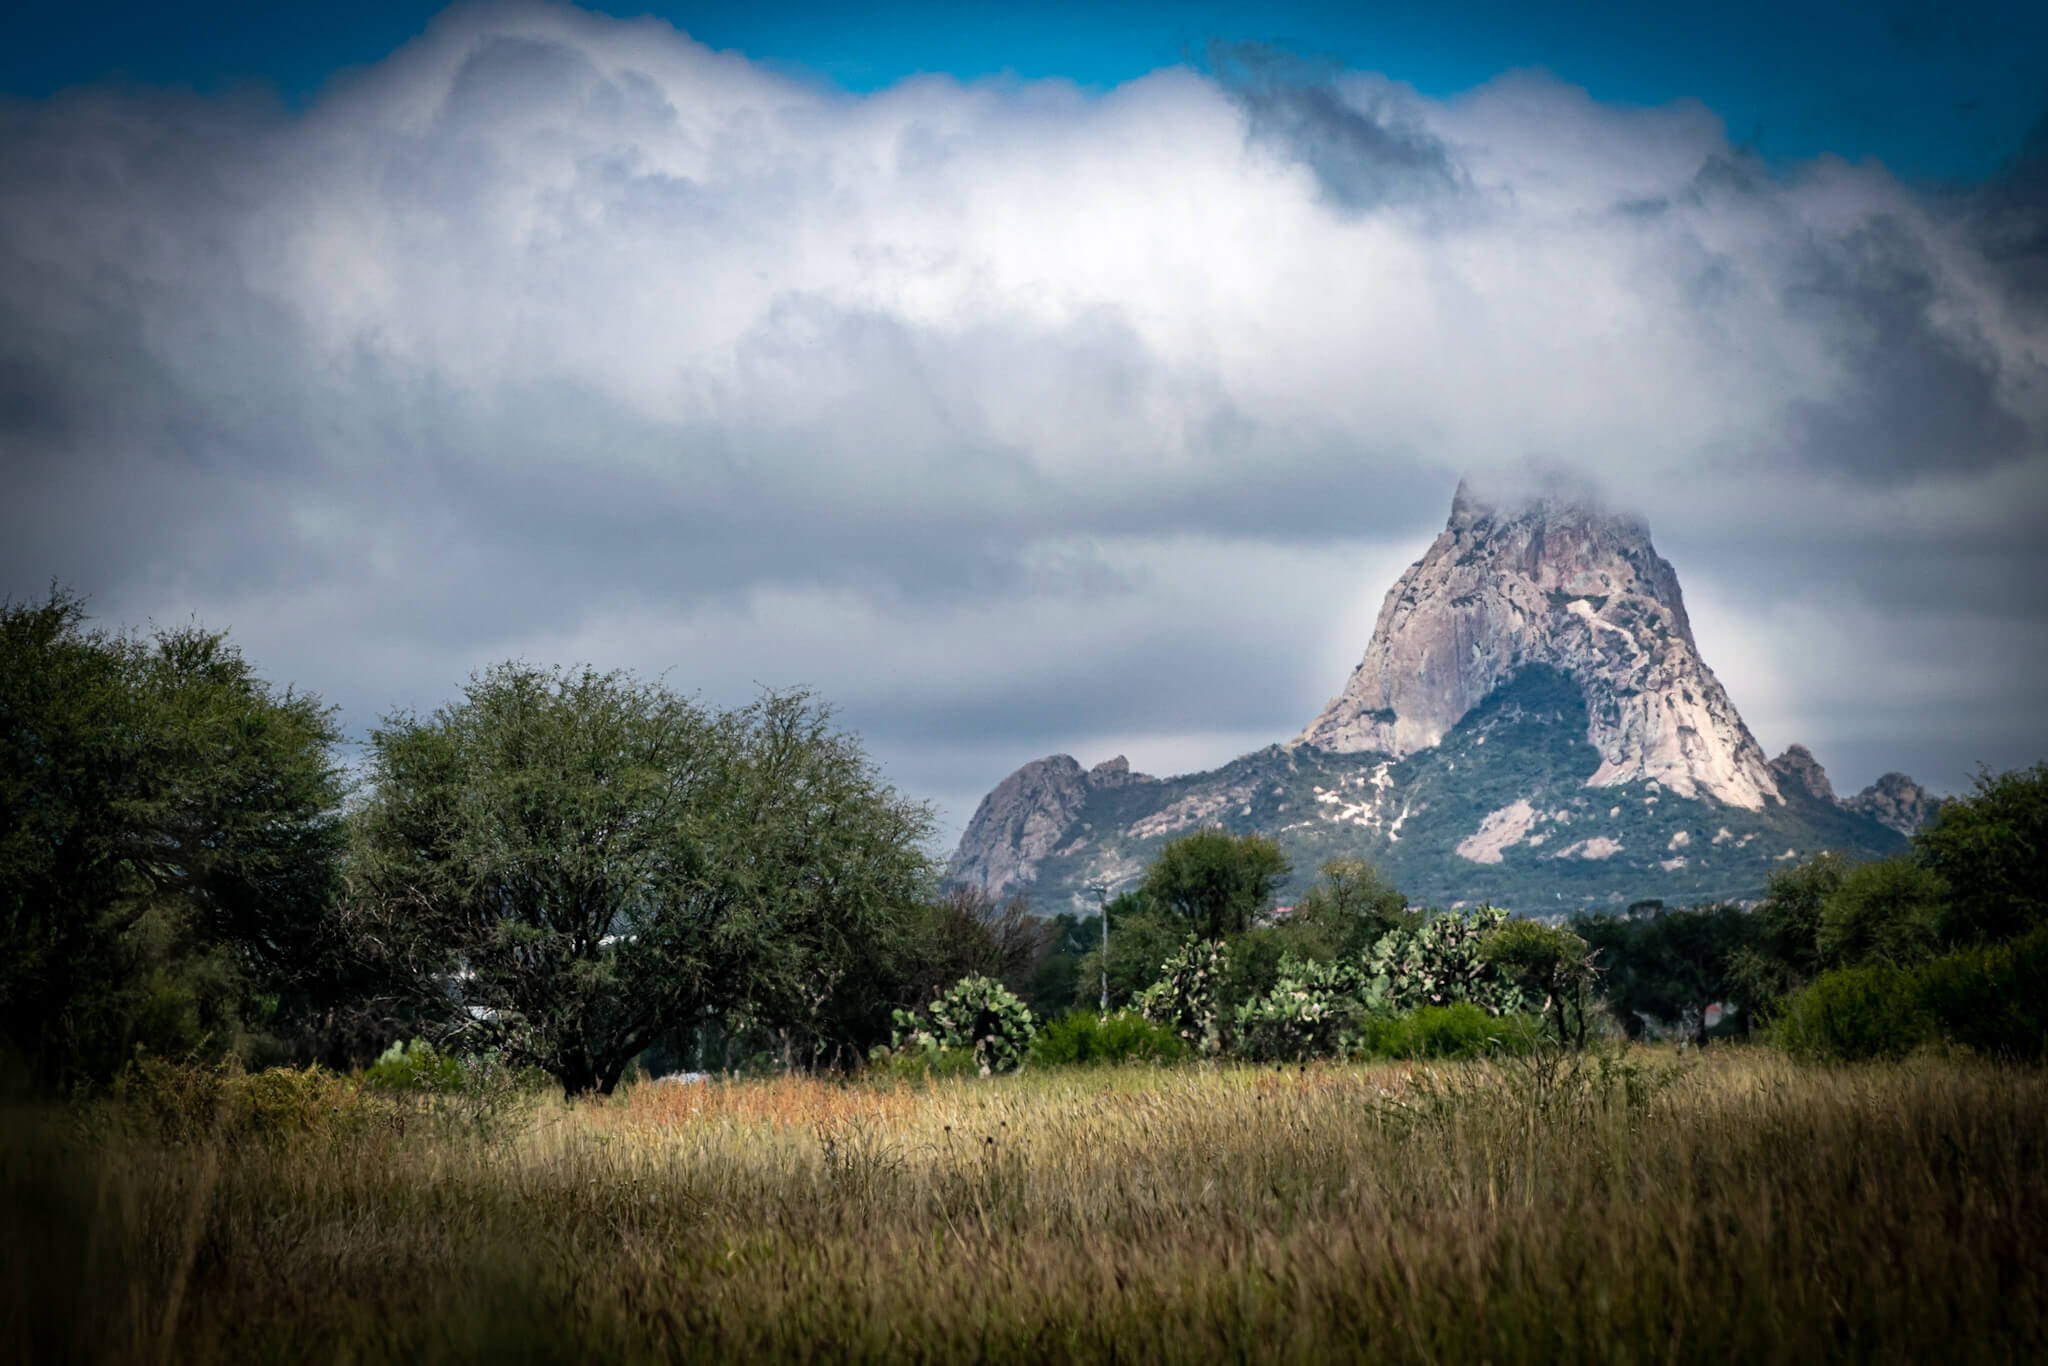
x=1012, y=417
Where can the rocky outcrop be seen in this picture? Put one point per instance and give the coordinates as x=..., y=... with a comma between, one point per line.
x=1798, y=771
x=1023, y=819
x=1896, y=801
x=1532, y=723
x=1553, y=580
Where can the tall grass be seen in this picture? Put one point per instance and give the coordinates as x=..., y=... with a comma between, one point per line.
x=1743, y=1208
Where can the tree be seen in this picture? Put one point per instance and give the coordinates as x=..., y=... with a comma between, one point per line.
x=1886, y=911
x=1344, y=914
x=1991, y=848
x=168, y=833
x=1139, y=942
x=566, y=866
x=1670, y=965
x=1211, y=883
x=1549, y=965
x=1783, y=953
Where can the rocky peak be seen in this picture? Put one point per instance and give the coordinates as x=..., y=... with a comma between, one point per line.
x=1896, y=801
x=1797, y=770
x=1021, y=821
x=1551, y=579
x=1113, y=773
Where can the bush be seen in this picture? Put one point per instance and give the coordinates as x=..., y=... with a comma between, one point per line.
x=184, y=1103
x=1873, y=1011
x=414, y=1066
x=1184, y=999
x=1993, y=1000
x=1081, y=1036
x=1462, y=1030
x=913, y=1063
x=1309, y=1013
x=979, y=1015
x=1440, y=964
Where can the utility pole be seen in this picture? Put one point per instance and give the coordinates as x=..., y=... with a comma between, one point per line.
x=1101, y=890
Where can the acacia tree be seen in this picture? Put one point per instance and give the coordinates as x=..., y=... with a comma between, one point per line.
x=169, y=826
x=1212, y=883
x=567, y=866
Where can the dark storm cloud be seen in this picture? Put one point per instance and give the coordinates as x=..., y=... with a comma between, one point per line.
x=1011, y=418
x=1922, y=398
x=2010, y=222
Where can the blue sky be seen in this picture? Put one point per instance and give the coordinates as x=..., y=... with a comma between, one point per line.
x=1084, y=398
x=1936, y=91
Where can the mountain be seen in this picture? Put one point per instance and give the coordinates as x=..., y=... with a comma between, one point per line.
x=1531, y=724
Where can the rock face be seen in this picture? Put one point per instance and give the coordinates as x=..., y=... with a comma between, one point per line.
x=1023, y=819
x=1897, y=802
x=1553, y=581
x=1532, y=724
x=1798, y=771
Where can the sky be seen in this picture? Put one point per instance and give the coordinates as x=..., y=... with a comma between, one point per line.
x=1031, y=380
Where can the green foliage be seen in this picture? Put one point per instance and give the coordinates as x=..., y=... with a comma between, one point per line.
x=1785, y=954
x=1668, y=966
x=1082, y=1036
x=1345, y=913
x=566, y=866
x=1211, y=883
x=1993, y=999
x=917, y=1063
x=1186, y=998
x=168, y=837
x=1887, y=911
x=980, y=1016
x=1310, y=1012
x=1440, y=964
x=1991, y=849
x=1139, y=943
x=1461, y=1030
x=1851, y=1014
x=414, y=1066
x=1550, y=965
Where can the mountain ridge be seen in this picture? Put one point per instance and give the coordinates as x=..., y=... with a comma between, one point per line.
x=1548, y=629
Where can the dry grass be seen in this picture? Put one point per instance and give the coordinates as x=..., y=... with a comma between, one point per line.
x=1741, y=1209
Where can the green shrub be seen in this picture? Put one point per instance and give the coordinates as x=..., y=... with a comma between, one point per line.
x=1440, y=964
x=914, y=1063
x=979, y=1015
x=1873, y=1011
x=415, y=1066
x=1994, y=1000
x=1462, y=1030
x=1081, y=1036
x=1310, y=1013
x=1185, y=998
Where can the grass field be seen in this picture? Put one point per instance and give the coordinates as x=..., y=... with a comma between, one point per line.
x=1730, y=1208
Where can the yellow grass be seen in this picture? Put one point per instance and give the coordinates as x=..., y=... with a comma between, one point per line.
x=1741, y=1208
